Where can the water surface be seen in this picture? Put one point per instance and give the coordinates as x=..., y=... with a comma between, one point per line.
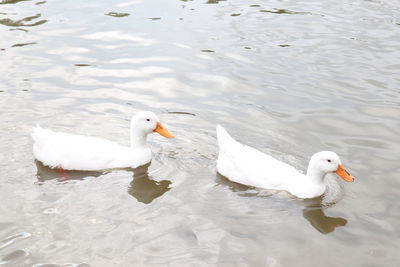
x=290, y=78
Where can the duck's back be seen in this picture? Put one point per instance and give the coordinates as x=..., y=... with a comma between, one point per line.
x=78, y=152
x=246, y=165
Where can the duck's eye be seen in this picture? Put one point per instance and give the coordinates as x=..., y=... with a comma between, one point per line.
x=147, y=119
x=329, y=160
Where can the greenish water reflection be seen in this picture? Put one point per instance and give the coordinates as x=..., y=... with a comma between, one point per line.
x=142, y=187
x=313, y=210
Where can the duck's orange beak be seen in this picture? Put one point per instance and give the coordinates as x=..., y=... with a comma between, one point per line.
x=163, y=131
x=341, y=171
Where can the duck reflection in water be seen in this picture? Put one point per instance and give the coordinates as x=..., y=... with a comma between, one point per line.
x=314, y=213
x=145, y=189
x=45, y=173
x=313, y=209
x=142, y=187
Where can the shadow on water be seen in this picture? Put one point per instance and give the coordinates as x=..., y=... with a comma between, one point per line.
x=142, y=187
x=313, y=210
x=45, y=173
x=314, y=213
x=145, y=189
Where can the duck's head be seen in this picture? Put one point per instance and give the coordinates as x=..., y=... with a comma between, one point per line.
x=329, y=162
x=148, y=122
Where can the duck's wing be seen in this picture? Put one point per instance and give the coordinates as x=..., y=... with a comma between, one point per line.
x=76, y=152
x=246, y=165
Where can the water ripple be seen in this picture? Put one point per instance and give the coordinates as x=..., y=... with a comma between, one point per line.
x=23, y=22
x=289, y=78
x=13, y=238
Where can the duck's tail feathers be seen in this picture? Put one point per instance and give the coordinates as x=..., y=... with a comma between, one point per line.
x=226, y=142
x=35, y=132
x=39, y=134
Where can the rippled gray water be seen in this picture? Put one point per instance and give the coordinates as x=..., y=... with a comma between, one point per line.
x=288, y=77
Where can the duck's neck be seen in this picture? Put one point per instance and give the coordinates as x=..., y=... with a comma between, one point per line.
x=138, y=138
x=315, y=175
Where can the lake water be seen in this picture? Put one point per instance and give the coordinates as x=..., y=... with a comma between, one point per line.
x=288, y=77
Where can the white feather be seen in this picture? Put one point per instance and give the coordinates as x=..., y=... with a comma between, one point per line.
x=246, y=165
x=78, y=152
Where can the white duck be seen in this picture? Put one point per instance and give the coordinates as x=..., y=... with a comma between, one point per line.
x=85, y=153
x=246, y=165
